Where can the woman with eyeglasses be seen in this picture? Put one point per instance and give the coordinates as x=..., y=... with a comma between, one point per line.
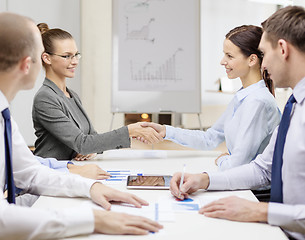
x=62, y=127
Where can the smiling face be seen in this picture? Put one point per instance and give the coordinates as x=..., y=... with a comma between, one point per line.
x=234, y=61
x=273, y=62
x=63, y=67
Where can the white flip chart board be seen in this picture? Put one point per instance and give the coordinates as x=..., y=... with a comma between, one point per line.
x=156, y=56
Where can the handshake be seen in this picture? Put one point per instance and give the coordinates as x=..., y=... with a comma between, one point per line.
x=147, y=132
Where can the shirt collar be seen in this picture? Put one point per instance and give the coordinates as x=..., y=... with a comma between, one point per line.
x=3, y=102
x=244, y=92
x=299, y=91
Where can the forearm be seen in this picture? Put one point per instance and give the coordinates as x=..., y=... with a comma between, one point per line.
x=50, y=119
x=54, y=183
x=54, y=164
x=248, y=176
x=86, y=144
x=194, y=138
x=235, y=159
x=34, y=223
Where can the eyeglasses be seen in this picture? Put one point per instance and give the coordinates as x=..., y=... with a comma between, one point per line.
x=77, y=56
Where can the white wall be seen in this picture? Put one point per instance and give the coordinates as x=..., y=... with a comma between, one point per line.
x=218, y=17
x=94, y=42
x=96, y=63
x=56, y=13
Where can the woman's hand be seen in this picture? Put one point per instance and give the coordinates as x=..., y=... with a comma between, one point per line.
x=80, y=157
x=92, y=171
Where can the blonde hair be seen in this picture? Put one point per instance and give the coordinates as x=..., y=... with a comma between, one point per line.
x=16, y=40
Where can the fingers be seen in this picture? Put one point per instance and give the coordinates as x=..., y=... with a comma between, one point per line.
x=102, y=177
x=134, y=200
x=120, y=223
x=151, y=135
x=77, y=157
x=174, y=184
x=102, y=201
x=212, y=207
x=91, y=156
x=99, y=194
x=80, y=157
x=142, y=225
x=146, y=132
x=186, y=185
x=149, y=124
x=101, y=172
x=134, y=230
x=144, y=124
x=102, y=194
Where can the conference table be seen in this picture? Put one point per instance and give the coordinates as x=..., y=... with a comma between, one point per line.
x=185, y=224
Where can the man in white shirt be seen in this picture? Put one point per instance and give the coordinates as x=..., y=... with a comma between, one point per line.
x=20, y=62
x=283, y=46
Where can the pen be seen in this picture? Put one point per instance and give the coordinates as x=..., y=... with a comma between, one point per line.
x=181, y=180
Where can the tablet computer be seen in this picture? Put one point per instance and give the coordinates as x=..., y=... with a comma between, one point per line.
x=148, y=182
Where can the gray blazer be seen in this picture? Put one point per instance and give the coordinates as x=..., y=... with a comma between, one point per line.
x=58, y=131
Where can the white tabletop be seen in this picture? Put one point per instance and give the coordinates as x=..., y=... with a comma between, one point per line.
x=186, y=225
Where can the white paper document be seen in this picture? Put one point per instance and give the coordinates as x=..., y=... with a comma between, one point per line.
x=189, y=205
x=152, y=211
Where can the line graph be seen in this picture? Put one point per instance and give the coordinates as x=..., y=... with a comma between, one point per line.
x=141, y=34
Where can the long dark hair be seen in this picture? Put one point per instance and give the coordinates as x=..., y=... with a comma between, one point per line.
x=247, y=38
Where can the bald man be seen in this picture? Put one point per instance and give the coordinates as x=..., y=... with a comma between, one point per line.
x=20, y=62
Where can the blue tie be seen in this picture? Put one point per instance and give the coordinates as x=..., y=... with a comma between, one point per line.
x=276, y=174
x=8, y=156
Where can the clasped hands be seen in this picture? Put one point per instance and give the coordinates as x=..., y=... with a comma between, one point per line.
x=147, y=132
x=231, y=208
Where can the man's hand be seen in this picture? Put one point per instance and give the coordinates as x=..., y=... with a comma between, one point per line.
x=120, y=223
x=147, y=134
x=92, y=171
x=80, y=157
x=236, y=209
x=102, y=195
x=191, y=183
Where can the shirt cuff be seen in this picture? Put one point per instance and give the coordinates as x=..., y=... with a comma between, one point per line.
x=169, y=132
x=217, y=180
x=79, y=221
x=280, y=214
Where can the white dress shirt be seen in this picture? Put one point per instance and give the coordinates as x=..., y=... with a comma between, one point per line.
x=291, y=214
x=18, y=222
x=54, y=163
x=246, y=126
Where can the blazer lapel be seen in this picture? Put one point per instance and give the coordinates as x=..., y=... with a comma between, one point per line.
x=60, y=93
x=78, y=103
